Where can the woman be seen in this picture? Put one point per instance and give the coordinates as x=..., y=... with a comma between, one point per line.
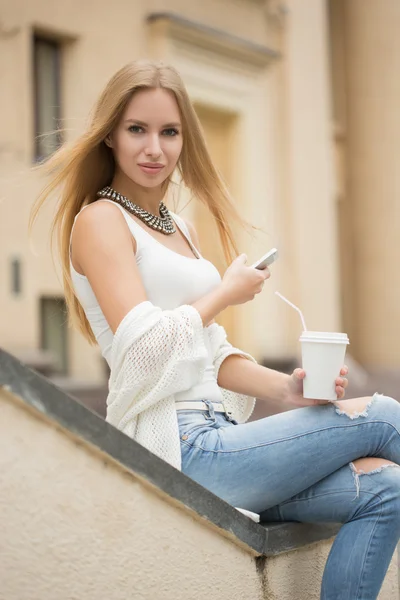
x=136, y=284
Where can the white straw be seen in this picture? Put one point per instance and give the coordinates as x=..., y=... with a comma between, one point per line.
x=295, y=307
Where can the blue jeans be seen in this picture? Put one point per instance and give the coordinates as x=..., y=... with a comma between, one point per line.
x=297, y=466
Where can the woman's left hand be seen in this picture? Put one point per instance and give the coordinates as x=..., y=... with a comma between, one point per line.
x=294, y=396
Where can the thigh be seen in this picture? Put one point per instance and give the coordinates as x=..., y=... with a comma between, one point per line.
x=338, y=497
x=260, y=464
x=330, y=500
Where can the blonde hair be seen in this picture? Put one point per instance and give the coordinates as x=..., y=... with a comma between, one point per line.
x=87, y=165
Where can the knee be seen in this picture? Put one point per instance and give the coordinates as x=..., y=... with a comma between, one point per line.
x=383, y=482
x=354, y=407
x=363, y=466
x=388, y=402
x=359, y=407
x=387, y=408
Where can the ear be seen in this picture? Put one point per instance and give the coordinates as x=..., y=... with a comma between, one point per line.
x=108, y=141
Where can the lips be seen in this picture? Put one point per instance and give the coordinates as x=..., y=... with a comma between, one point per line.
x=151, y=168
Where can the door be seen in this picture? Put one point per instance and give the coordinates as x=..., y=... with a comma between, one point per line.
x=219, y=129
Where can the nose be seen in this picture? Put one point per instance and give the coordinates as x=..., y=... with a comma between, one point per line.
x=153, y=146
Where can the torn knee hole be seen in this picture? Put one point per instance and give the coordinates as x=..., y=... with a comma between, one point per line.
x=354, y=409
x=368, y=466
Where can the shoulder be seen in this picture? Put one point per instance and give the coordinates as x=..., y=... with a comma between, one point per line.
x=101, y=221
x=99, y=211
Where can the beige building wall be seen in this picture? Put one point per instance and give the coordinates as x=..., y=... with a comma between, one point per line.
x=228, y=78
x=235, y=85
x=372, y=46
x=311, y=181
x=311, y=218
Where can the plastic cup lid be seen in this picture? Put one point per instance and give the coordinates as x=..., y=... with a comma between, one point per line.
x=324, y=336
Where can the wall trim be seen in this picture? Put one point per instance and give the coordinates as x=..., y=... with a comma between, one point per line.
x=209, y=38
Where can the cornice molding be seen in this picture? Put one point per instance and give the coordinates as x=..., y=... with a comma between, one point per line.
x=218, y=41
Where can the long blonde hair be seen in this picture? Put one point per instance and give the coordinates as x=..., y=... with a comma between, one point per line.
x=87, y=165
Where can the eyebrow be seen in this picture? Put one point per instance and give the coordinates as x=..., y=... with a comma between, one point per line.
x=143, y=124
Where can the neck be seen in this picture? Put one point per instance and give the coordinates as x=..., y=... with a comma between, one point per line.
x=147, y=198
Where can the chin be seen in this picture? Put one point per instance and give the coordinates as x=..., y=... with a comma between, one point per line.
x=148, y=182
x=145, y=183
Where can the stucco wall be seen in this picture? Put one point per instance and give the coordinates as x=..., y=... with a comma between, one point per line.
x=297, y=575
x=76, y=524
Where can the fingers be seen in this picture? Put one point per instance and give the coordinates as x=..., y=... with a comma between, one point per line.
x=340, y=392
x=266, y=273
x=341, y=385
x=299, y=374
x=342, y=382
x=263, y=274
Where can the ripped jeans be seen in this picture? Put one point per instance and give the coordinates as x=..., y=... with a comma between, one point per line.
x=297, y=466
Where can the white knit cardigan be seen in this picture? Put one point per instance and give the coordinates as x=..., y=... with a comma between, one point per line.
x=154, y=355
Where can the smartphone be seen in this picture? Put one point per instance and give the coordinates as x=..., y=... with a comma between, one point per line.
x=266, y=260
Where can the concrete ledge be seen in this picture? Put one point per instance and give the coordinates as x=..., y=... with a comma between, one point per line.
x=38, y=394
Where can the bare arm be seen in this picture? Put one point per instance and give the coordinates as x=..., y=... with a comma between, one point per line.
x=105, y=250
x=282, y=392
x=240, y=375
x=103, y=247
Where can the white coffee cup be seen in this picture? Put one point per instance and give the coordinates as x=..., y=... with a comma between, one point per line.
x=322, y=358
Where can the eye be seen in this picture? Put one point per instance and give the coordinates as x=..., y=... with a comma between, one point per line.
x=171, y=132
x=135, y=129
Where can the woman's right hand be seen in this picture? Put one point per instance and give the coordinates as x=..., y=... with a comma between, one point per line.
x=241, y=283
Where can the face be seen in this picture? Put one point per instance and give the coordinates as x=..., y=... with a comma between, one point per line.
x=148, y=140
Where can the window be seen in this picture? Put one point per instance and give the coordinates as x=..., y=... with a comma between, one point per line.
x=54, y=331
x=46, y=75
x=16, y=276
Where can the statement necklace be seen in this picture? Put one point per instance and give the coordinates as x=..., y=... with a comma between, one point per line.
x=163, y=223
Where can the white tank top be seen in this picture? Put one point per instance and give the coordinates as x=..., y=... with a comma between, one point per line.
x=170, y=280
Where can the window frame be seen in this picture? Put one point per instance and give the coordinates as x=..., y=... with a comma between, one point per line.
x=46, y=298
x=56, y=45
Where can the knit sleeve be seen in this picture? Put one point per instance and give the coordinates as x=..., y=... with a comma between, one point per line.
x=221, y=348
x=155, y=354
x=239, y=406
